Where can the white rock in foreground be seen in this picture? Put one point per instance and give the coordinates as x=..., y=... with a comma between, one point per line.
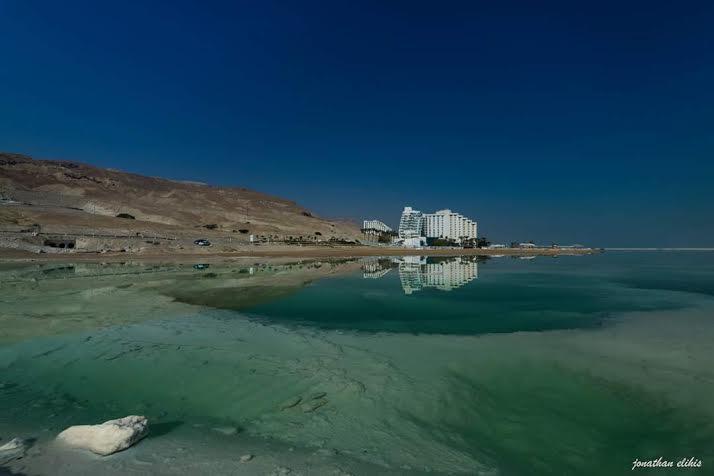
x=107, y=438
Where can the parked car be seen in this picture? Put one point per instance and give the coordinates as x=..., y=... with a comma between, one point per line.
x=202, y=242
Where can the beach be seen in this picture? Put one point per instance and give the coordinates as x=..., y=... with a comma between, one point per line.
x=284, y=251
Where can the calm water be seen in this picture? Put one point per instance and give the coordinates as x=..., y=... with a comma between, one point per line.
x=569, y=365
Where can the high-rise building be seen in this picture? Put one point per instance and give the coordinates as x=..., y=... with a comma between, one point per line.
x=449, y=225
x=411, y=224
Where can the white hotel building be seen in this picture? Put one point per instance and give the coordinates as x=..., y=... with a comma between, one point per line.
x=411, y=223
x=441, y=224
x=449, y=225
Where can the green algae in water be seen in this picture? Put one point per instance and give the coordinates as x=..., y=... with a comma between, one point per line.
x=537, y=419
x=567, y=366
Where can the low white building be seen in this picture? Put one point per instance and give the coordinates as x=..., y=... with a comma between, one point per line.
x=375, y=225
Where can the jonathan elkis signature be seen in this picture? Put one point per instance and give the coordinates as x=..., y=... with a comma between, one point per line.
x=684, y=463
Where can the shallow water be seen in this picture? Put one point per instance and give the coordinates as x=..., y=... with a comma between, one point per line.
x=569, y=365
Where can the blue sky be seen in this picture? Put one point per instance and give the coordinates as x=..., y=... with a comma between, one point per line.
x=551, y=121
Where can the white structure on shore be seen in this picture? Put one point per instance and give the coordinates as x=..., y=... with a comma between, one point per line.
x=415, y=227
x=449, y=225
x=375, y=225
x=411, y=228
x=411, y=223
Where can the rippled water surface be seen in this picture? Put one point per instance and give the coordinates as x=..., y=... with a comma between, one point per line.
x=501, y=366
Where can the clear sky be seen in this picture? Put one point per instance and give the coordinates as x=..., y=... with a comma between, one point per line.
x=568, y=121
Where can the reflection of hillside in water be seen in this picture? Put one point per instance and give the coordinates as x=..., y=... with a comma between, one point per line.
x=54, y=298
x=419, y=272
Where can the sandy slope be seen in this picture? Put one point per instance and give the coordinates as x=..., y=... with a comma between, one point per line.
x=63, y=196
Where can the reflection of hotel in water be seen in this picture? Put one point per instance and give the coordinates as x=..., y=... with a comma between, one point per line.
x=417, y=273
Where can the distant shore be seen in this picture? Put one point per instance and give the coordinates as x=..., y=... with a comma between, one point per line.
x=286, y=252
x=659, y=249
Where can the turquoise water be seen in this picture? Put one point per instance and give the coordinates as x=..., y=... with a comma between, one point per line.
x=510, y=296
x=569, y=365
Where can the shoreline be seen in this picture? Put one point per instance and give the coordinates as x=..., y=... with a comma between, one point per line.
x=211, y=451
x=12, y=255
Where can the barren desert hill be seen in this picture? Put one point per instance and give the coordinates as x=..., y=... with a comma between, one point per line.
x=75, y=194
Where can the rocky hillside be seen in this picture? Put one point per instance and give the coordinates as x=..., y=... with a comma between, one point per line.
x=66, y=194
